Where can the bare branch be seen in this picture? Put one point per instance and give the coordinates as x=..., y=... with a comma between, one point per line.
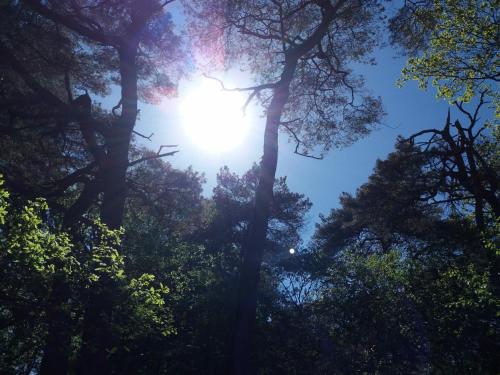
x=152, y=157
x=473, y=118
x=298, y=142
x=165, y=146
x=255, y=89
x=422, y=132
x=250, y=88
x=143, y=136
x=71, y=179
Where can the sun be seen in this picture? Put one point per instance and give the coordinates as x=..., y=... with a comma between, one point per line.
x=213, y=118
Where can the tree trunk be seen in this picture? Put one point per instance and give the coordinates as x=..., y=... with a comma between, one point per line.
x=113, y=203
x=254, y=246
x=55, y=359
x=111, y=181
x=56, y=351
x=97, y=333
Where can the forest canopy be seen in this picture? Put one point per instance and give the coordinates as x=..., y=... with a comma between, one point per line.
x=116, y=258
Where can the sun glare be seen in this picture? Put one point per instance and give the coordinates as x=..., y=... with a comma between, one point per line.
x=213, y=119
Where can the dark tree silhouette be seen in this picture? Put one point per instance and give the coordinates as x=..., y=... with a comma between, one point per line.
x=135, y=47
x=464, y=157
x=298, y=52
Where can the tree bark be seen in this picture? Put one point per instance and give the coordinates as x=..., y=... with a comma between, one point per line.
x=55, y=360
x=254, y=247
x=97, y=333
x=114, y=188
x=55, y=356
x=110, y=180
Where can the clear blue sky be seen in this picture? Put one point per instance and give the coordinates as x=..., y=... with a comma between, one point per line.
x=408, y=110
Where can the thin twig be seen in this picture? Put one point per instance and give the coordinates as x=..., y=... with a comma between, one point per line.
x=299, y=142
x=143, y=136
x=152, y=157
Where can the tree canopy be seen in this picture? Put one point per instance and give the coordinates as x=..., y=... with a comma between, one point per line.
x=116, y=260
x=454, y=44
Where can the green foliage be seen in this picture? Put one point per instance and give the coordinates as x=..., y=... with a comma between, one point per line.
x=460, y=304
x=397, y=280
x=489, y=145
x=491, y=239
x=4, y=195
x=474, y=288
x=31, y=251
x=393, y=314
x=401, y=258
x=234, y=198
x=394, y=209
x=144, y=310
x=461, y=57
x=103, y=259
x=371, y=322
x=426, y=301
x=33, y=254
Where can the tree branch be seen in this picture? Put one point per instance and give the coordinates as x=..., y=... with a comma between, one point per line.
x=250, y=88
x=143, y=136
x=155, y=156
x=69, y=22
x=298, y=142
x=152, y=157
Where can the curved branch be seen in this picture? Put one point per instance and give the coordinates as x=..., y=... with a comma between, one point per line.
x=298, y=142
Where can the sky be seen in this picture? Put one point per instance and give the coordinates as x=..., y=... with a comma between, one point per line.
x=408, y=109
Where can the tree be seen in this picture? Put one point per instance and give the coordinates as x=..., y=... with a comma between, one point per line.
x=135, y=47
x=34, y=253
x=403, y=205
x=113, y=33
x=459, y=45
x=408, y=240
x=423, y=194
x=198, y=255
x=161, y=198
x=468, y=172
x=233, y=199
x=298, y=52
x=225, y=234
x=388, y=313
x=458, y=41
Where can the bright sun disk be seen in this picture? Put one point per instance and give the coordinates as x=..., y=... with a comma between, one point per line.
x=213, y=119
